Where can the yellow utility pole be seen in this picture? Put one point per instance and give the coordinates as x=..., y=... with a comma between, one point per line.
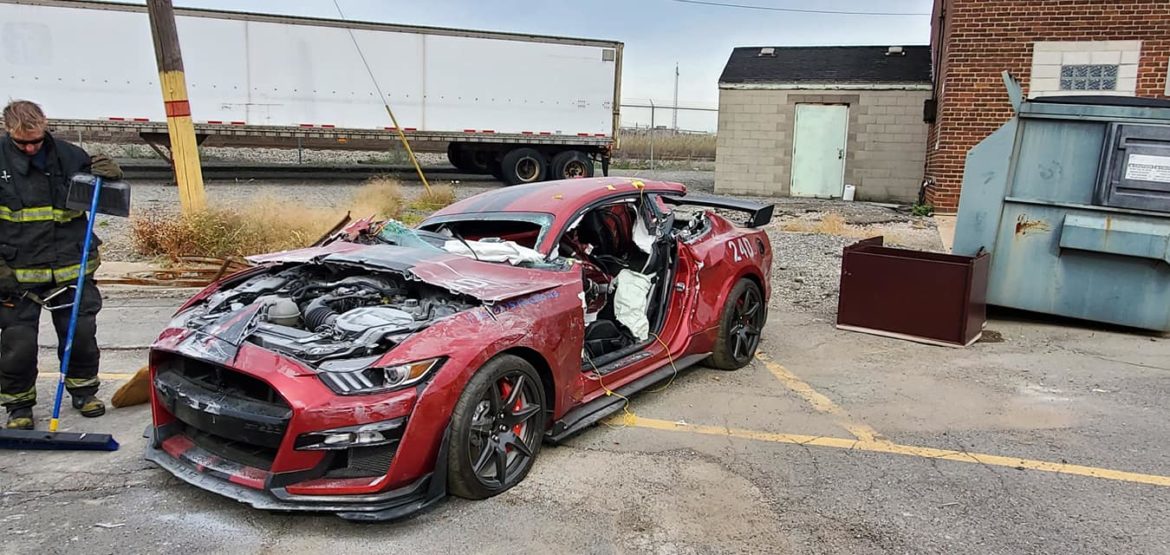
x=184, y=149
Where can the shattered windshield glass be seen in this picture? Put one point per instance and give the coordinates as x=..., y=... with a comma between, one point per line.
x=395, y=233
x=512, y=244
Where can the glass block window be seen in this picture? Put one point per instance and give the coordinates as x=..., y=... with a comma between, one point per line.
x=1088, y=77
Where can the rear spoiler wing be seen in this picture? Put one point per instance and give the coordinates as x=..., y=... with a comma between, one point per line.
x=758, y=213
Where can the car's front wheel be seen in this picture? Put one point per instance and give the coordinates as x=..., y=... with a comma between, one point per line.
x=496, y=428
x=740, y=323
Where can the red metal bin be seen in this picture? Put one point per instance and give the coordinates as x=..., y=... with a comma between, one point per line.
x=921, y=296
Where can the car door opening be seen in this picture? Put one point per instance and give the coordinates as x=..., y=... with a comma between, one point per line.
x=625, y=263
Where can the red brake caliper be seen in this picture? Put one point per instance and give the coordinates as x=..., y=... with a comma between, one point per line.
x=505, y=390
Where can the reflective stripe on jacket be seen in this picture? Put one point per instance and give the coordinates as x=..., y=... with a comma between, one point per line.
x=40, y=238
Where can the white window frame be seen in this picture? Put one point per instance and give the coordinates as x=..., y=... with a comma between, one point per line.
x=1049, y=57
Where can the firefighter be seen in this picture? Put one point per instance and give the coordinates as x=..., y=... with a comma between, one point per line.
x=40, y=258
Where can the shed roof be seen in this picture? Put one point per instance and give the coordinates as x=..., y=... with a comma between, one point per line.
x=827, y=65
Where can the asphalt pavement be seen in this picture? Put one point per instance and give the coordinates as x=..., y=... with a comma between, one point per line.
x=1050, y=440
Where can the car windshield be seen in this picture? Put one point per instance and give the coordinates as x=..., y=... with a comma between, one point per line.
x=526, y=229
x=509, y=239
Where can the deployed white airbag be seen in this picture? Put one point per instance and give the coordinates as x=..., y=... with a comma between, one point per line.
x=494, y=251
x=630, y=299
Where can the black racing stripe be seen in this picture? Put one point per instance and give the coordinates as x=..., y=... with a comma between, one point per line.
x=500, y=199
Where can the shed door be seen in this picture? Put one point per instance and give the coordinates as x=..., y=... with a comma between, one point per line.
x=818, y=151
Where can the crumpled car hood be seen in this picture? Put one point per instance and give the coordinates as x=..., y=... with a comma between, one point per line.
x=486, y=281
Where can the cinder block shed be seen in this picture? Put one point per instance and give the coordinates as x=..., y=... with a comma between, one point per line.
x=805, y=121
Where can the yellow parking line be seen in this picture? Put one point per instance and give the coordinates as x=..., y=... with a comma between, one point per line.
x=893, y=448
x=104, y=375
x=819, y=402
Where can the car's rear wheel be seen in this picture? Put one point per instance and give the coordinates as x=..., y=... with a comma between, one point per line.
x=496, y=428
x=740, y=322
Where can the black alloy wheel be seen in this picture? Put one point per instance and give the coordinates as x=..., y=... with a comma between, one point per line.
x=740, y=325
x=498, y=425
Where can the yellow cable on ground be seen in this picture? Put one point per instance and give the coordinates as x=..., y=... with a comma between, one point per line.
x=671, y=359
x=630, y=416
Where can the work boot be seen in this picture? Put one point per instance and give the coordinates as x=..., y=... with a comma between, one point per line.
x=20, y=419
x=89, y=405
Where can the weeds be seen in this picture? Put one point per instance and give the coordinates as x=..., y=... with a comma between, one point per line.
x=380, y=197
x=636, y=145
x=412, y=218
x=921, y=209
x=264, y=223
x=835, y=224
x=831, y=224
x=437, y=197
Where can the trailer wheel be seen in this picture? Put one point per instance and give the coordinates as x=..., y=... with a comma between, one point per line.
x=496, y=170
x=478, y=160
x=570, y=164
x=523, y=165
x=457, y=155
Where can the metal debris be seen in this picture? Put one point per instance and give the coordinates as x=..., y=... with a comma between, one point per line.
x=188, y=271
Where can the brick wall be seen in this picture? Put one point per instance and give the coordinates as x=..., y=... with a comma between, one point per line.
x=980, y=39
x=884, y=155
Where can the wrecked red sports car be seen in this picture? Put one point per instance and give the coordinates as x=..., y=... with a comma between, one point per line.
x=371, y=374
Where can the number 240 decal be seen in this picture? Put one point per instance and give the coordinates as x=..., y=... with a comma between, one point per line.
x=741, y=248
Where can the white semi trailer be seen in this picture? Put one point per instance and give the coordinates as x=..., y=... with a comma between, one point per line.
x=524, y=107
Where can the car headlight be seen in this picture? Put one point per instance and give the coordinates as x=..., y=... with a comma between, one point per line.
x=357, y=377
x=365, y=435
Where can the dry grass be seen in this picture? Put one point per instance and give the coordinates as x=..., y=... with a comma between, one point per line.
x=380, y=197
x=636, y=145
x=829, y=224
x=437, y=197
x=265, y=223
x=835, y=224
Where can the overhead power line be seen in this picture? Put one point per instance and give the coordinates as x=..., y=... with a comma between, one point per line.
x=795, y=10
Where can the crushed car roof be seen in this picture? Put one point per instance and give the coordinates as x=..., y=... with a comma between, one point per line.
x=560, y=198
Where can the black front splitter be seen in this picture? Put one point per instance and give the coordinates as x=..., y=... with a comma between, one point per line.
x=392, y=505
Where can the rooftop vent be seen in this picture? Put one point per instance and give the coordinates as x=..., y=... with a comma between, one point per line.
x=768, y=51
x=895, y=51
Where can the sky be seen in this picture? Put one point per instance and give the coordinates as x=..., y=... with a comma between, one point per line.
x=657, y=33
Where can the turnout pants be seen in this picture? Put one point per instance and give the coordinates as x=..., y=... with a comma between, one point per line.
x=18, y=345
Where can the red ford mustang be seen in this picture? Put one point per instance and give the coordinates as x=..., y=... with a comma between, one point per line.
x=373, y=373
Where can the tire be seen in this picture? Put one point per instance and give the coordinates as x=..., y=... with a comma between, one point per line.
x=457, y=155
x=483, y=437
x=478, y=160
x=496, y=170
x=523, y=165
x=570, y=164
x=739, y=327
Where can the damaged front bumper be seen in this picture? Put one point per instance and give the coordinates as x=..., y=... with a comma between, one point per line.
x=207, y=471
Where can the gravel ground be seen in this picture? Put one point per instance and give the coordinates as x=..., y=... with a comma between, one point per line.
x=806, y=268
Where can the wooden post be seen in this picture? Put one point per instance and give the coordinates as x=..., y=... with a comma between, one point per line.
x=184, y=149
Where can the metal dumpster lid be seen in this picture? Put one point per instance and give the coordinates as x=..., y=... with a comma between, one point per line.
x=1102, y=100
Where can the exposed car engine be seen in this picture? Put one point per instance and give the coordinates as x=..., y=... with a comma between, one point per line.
x=316, y=313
